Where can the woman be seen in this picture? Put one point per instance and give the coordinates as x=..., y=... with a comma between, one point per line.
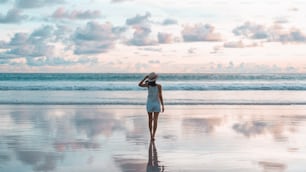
x=154, y=100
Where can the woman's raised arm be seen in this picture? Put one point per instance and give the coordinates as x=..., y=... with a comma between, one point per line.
x=142, y=84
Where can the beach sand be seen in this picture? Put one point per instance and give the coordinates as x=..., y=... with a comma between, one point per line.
x=189, y=138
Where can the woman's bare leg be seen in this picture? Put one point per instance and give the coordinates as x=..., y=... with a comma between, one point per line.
x=150, y=121
x=155, y=119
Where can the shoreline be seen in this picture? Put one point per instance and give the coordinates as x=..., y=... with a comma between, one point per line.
x=166, y=104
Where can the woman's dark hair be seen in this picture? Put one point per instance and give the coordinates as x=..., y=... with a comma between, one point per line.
x=152, y=83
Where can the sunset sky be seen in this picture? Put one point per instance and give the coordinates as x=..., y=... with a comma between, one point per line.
x=146, y=35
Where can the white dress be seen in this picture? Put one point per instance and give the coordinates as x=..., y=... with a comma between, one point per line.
x=153, y=104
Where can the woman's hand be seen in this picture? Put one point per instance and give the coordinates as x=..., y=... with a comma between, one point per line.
x=141, y=83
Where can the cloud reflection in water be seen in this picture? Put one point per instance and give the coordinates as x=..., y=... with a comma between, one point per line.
x=87, y=138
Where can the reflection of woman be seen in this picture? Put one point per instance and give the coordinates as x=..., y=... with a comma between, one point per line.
x=152, y=165
x=154, y=100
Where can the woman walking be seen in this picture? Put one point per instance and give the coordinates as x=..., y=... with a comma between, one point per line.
x=154, y=100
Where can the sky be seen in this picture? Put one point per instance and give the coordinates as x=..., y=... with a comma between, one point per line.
x=166, y=36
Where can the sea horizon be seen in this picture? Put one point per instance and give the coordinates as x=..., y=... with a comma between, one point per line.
x=178, y=89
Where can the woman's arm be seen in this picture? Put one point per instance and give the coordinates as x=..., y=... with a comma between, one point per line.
x=142, y=84
x=160, y=95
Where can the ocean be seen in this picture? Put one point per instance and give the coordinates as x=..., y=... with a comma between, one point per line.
x=98, y=122
x=178, y=89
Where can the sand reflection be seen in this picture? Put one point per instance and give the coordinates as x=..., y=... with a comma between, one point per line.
x=251, y=128
x=95, y=123
x=272, y=166
x=40, y=161
x=4, y=158
x=41, y=137
x=153, y=163
x=127, y=163
x=75, y=145
x=200, y=125
x=248, y=138
x=280, y=127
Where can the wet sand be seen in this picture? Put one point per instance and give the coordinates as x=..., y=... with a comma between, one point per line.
x=189, y=138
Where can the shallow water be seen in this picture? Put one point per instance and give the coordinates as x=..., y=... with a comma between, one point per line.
x=189, y=138
x=274, y=97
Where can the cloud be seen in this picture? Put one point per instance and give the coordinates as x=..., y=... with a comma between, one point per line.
x=288, y=36
x=169, y=22
x=37, y=48
x=36, y=3
x=164, y=38
x=139, y=19
x=58, y=61
x=42, y=33
x=13, y=62
x=141, y=66
x=95, y=38
x=251, y=30
x=142, y=30
x=33, y=45
x=275, y=33
x=60, y=13
x=12, y=16
x=63, y=33
x=117, y=1
x=32, y=50
x=2, y=44
x=141, y=37
x=200, y=32
x=4, y=1
x=232, y=67
x=19, y=39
